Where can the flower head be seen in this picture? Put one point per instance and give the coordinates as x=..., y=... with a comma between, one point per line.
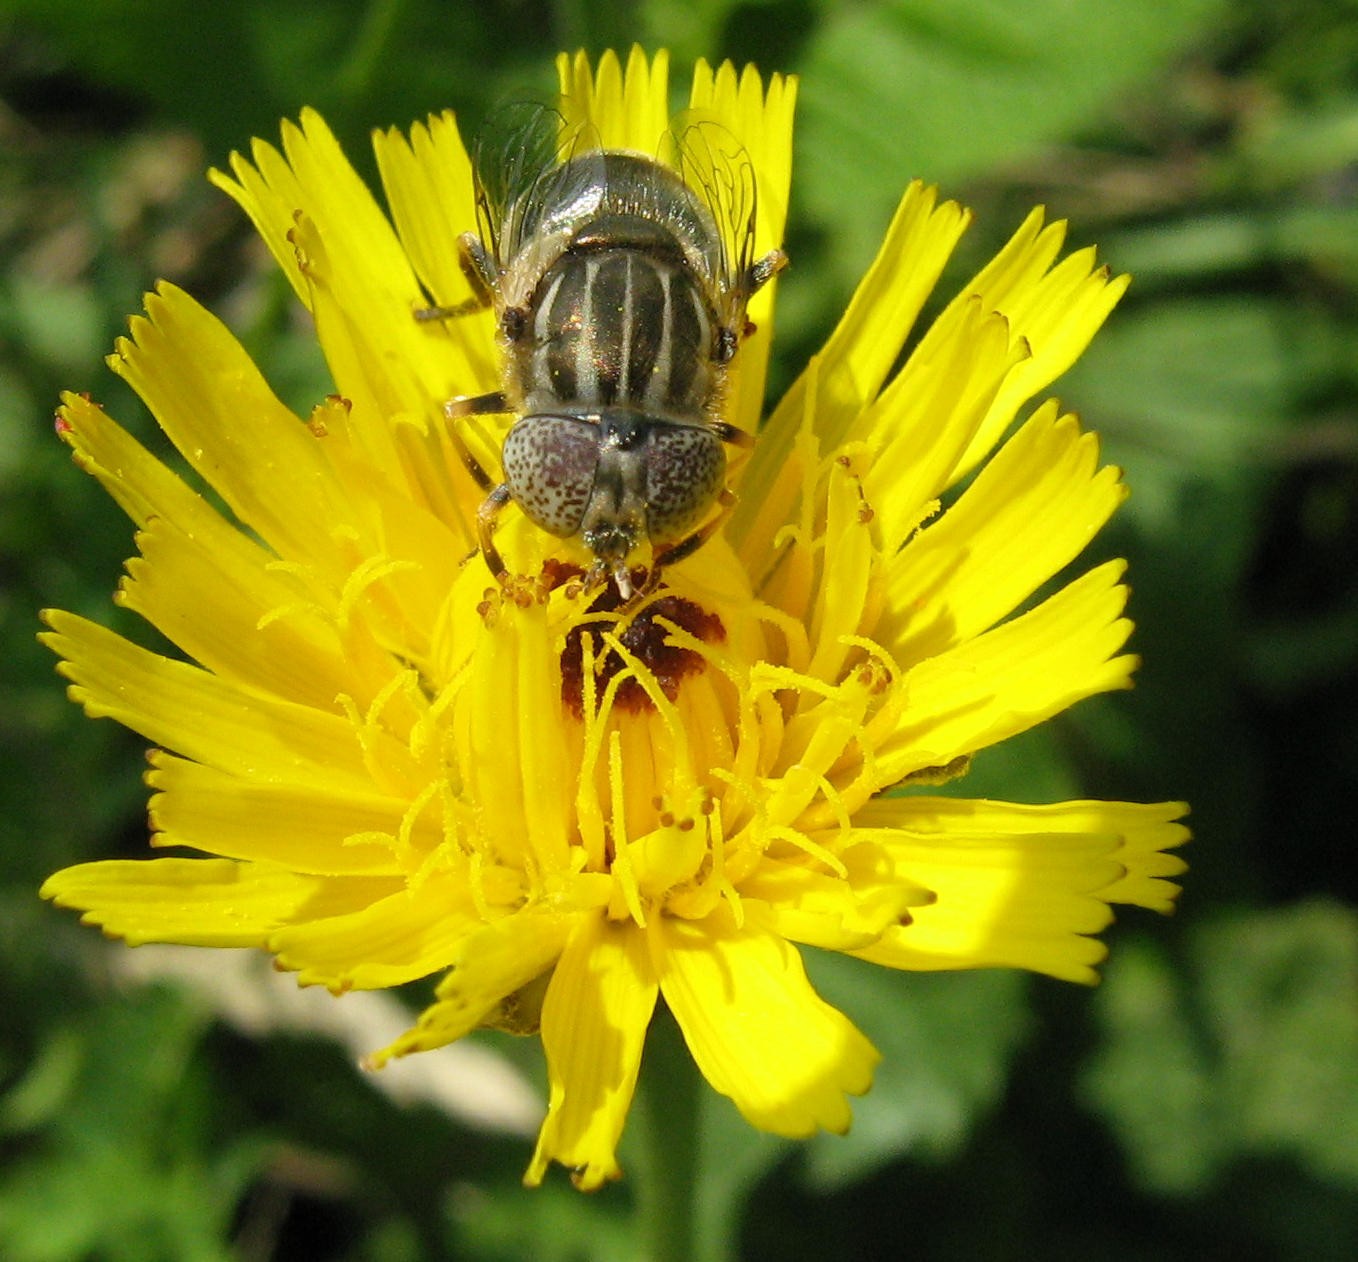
x=569, y=804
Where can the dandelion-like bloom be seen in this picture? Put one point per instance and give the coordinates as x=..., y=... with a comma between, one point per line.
x=568, y=805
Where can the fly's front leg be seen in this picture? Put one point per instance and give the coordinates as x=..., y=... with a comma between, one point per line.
x=472, y=405
x=731, y=435
x=485, y=527
x=690, y=544
x=491, y=404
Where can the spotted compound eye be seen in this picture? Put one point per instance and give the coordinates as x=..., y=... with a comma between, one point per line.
x=549, y=464
x=685, y=467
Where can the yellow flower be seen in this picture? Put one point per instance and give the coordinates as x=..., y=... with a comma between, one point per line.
x=569, y=805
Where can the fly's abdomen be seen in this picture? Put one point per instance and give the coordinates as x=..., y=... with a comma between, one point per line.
x=618, y=327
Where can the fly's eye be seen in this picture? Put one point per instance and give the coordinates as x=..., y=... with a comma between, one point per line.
x=549, y=464
x=685, y=465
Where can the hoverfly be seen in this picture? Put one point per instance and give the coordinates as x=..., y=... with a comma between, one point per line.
x=620, y=291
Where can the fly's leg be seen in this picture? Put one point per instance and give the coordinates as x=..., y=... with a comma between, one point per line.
x=690, y=544
x=756, y=276
x=764, y=270
x=759, y=273
x=731, y=435
x=479, y=268
x=485, y=527
x=472, y=405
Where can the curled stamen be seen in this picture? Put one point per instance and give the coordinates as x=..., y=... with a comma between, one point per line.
x=371, y=571
x=405, y=848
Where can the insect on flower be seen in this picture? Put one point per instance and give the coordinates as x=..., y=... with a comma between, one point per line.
x=570, y=812
x=620, y=285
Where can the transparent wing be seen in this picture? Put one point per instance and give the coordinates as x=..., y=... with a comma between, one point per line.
x=515, y=146
x=716, y=166
x=526, y=177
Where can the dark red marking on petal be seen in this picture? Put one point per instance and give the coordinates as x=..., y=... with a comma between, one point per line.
x=648, y=640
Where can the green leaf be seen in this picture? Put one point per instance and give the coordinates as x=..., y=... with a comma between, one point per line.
x=1203, y=380
x=1294, y=145
x=732, y=1159
x=551, y=1223
x=61, y=325
x=120, y=1162
x=946, y=1041
x=1256, y=1056
x=943, y=91
x=1191, y=390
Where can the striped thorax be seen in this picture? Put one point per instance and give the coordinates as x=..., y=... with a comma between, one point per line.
x=620, y=319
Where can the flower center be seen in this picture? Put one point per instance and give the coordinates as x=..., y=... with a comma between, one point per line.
x=647, y=637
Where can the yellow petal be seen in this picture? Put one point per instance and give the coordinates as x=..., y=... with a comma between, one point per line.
x=260, y=627
x=487, y=966
x=1018, y=886
x=761, y=120
x=1146, y=832
x=266, y=626
x=510, y=740
x=1014, y=676
x=266, y=190
x=347, y=264
x=218, y=410
x=201, y=902
x=359, y=234
x=145, y=488
x=420, y=493
x=1055, y=310
x=838, y=914
x=330, y=831
x=594, y=1021
x=1030, y=511
x=208, y=719
x=923, y=421
x=312, y=177
x=619, y=109
x=412, y=932
x=849, y=593
x=758, y=1031
x=377, y=540
x=429, y=184
x=813, y=743
x=760, y=117
x=383, y=368
x=850, y=369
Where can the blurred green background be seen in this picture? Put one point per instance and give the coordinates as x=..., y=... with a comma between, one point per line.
x=1203, y=1101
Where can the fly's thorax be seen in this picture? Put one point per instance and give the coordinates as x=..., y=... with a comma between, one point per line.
x=618, y=319
x=595, y=186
